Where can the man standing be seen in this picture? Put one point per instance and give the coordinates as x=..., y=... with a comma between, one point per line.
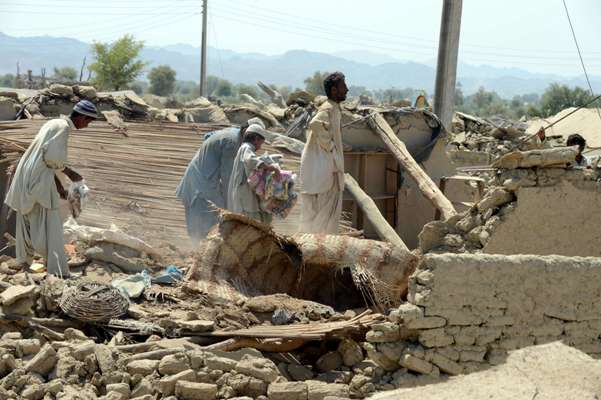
x=322, y=163
x=35, y=191
x=205, y=182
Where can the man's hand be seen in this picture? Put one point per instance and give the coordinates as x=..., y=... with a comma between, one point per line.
x=73, y=176
x=541, y=134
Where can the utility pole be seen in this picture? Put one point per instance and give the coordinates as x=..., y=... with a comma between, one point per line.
x=446, y=69
x=203, y=51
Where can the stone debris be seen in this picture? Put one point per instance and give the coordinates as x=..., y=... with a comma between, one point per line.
x=184, y=341
x=478, y=141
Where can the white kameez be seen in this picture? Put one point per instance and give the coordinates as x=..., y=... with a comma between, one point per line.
x=322, y=172
x=241, y=198
x=35, y=199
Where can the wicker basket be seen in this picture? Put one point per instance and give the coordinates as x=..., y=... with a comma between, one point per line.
x=93, y=302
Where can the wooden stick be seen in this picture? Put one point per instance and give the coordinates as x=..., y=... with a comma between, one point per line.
x=400, y=152
x=371, y=211
x=269, y=345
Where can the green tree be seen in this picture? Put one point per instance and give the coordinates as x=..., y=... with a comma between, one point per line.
x=558, y=97
x=224, y=88
x=314, y=84
x=162, y=80
x=117, y=64
x=65, y=73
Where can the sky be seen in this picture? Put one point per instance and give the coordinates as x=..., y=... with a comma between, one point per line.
x=528, y=34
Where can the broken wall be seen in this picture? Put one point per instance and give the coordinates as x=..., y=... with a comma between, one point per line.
x=466, y=311
x=563, y=219
x=494, y=303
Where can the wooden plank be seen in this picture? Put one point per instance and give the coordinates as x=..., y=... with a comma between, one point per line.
x=399, y=150
x=371, y=211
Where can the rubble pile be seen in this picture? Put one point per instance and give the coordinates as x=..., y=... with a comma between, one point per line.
x=479, y=141
x=162, y=346
x=177, y=338
x=286, y=121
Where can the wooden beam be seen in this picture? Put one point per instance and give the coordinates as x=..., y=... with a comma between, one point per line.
x=400, y=152
x=371, y=211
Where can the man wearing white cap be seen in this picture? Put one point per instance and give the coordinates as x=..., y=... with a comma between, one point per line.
x=205, y=182
x=241, y=198
x=35, y=190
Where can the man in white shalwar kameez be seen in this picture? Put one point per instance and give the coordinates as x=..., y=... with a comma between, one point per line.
x=35, y=191
x=241, y=198
x=322, y=163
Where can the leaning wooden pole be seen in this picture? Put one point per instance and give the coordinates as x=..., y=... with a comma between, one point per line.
x=371, y=211
x=400, y=152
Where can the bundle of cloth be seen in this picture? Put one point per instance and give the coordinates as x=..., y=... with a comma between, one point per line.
x=276, y=193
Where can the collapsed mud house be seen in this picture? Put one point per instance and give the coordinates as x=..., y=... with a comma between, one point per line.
x=265, y=313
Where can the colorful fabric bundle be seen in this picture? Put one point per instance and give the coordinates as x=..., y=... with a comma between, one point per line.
x=276, y=193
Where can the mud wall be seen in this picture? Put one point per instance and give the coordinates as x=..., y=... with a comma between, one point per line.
x=466, y=311
x=564, y=219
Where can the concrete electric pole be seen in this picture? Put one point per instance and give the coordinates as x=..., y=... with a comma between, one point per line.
x=203, y=51
x=446, y=69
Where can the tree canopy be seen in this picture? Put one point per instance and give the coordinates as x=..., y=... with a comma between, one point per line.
x=117, y=64
x=162, y=80
x=558, y=97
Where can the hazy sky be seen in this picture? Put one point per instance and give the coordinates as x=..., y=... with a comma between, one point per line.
x=528, y=34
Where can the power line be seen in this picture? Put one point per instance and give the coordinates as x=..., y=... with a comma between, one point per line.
x=362, y=38
x=274, y=26
x=83, y=7
x=99, y=27
x=257, y=10
x=253, y=8
x=217, y=47
x=580, y=54
x=147, y=27
x=79, y=13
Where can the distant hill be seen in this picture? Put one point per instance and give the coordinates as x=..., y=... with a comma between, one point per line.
x=363, y=68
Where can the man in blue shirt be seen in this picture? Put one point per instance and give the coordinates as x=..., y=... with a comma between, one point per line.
x=205, y=182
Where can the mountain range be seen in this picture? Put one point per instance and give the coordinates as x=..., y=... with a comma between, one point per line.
x=362, y=67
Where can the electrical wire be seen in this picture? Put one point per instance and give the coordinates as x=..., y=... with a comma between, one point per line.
x=212, y=25
x=252, y=7
x=580, y=55
x=362, y=38
x=361, y=41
